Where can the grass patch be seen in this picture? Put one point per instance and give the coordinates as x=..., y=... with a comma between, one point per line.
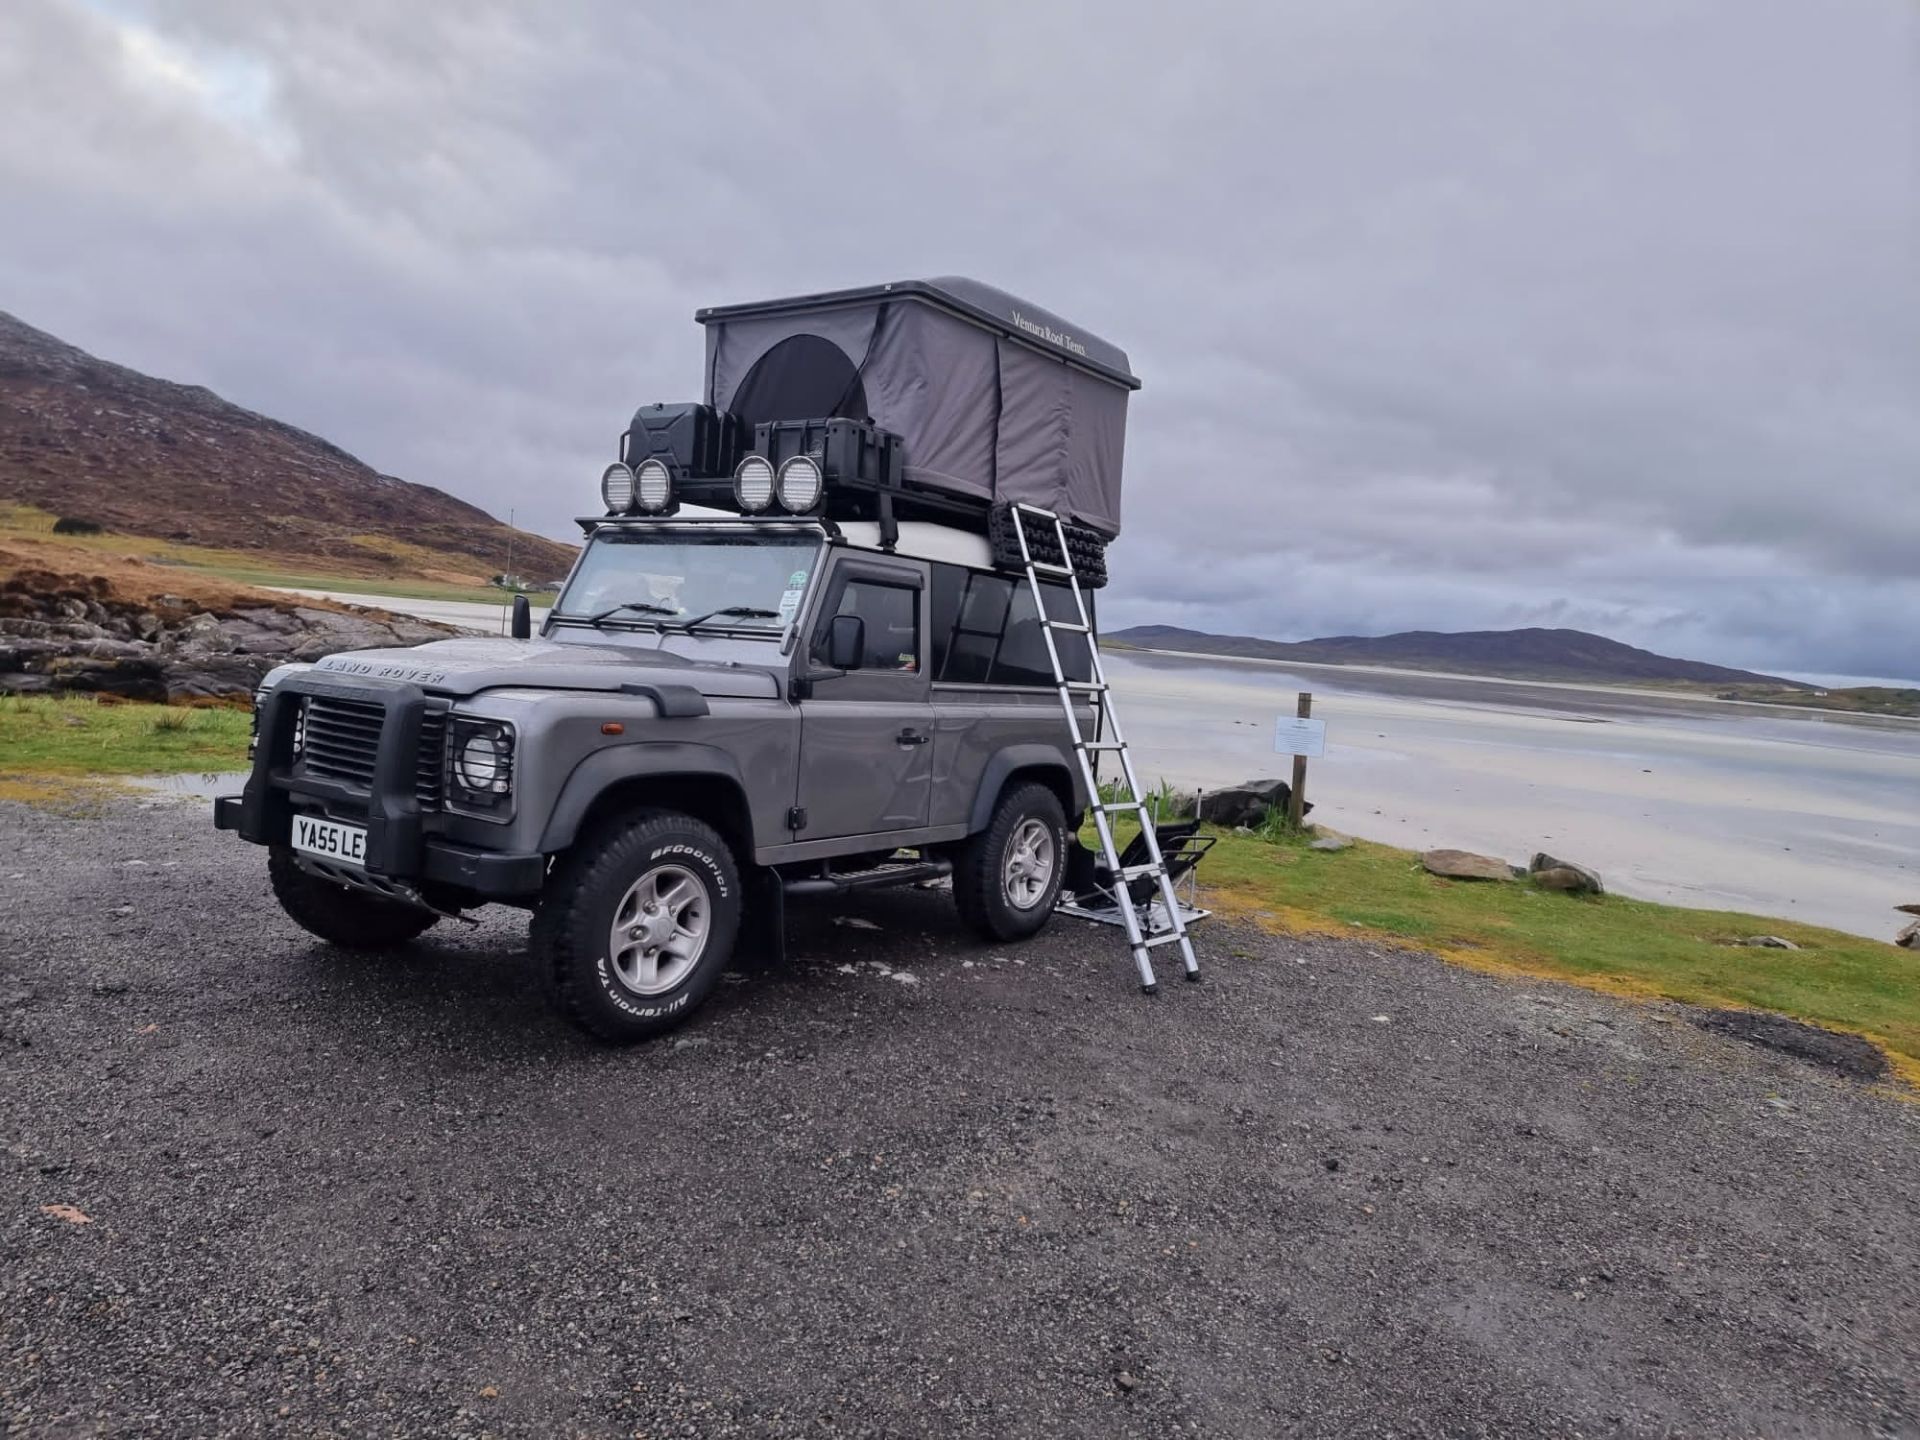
x=368, y=564
x=1626, y=947
x=48, y=740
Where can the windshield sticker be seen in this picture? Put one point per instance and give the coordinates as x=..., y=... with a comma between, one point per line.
x=790, y=602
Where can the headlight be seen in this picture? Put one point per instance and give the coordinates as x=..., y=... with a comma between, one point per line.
x=616, y=488
x=800, y=484
x=653, y=485
x=753, y=483
x=480, y=755
x=253, y=731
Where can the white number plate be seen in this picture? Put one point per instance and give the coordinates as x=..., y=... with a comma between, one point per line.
x=330, y=840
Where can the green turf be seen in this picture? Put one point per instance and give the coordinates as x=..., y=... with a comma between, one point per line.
x=1848, y=982
x=74, y=737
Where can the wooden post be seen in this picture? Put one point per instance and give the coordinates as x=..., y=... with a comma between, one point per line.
x=1296, y=802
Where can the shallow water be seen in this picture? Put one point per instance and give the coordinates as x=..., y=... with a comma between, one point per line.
x=1794, y=814
x=200, y=784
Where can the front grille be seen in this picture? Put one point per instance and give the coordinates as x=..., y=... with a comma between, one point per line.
x=340, y=739
x=430, y=771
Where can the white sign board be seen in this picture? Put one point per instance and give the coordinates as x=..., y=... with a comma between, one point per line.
x=1293, y=736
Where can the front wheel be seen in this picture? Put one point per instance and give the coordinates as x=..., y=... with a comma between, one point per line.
x=1008, y=876
x=340, y=914
x=637, y=924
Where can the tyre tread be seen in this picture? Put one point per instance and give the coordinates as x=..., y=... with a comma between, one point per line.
x=596, y=860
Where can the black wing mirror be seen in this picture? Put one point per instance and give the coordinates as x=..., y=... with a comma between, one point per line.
x=846, y=642
x=522, y=618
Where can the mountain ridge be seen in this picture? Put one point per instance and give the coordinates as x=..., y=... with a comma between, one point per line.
x=94, y=440
x=1528, y=653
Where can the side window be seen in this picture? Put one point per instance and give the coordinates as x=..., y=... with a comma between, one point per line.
x=1023, y=649
x=948, y=592
x=891, y=613
x=1022, y=659
x=982, y=612
x=986, y=630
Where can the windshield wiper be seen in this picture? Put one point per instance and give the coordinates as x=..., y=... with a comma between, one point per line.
x=644, y=607
x=742, y=612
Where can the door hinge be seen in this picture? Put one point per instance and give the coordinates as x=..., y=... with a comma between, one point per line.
x=797, y=818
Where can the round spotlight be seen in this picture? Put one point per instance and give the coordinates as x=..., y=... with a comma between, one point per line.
x=753, y=483
x=653, y=485
x=616, y=488
x=800, y=484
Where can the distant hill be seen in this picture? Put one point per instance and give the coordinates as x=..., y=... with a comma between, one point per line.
x=1532, y=654
x=84, y=438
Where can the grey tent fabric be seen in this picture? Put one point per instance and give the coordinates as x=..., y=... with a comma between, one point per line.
x=992, y=398
x=733, y=349
x=931, y=372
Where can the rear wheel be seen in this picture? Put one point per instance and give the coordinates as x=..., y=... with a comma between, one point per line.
x=1008, y=876
x=637, y=924
x=340, y=914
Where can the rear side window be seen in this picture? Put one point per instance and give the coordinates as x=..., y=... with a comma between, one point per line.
x=891, y=613
x=986, y=630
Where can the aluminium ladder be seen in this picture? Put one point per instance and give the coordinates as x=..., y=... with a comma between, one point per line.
x=1142, y=941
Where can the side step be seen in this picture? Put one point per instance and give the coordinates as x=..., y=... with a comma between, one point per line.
x=880, y=877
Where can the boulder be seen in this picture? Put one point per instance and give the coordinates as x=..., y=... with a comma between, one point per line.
x=1330, y=840
x=54, y=640
x=1765, y=942
x=1569, y=880
x=1909, y=938
x=1908, y=909
x=1464, y=865
x=1567, y=876
x=1247, y=803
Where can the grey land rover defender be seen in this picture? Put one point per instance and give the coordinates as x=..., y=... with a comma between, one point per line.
x=832, y=677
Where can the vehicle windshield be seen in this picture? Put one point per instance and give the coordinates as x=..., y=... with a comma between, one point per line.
x=667, y=579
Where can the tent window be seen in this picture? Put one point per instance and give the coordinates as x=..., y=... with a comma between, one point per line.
x=804, y=377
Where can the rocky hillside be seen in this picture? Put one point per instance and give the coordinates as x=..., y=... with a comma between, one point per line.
x=1532, y=654
x=64, y=633
x=83, y=438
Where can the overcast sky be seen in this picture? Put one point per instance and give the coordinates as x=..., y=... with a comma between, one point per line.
x=1484, y=313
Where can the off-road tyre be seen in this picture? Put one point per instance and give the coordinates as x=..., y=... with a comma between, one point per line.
x=340, y=914
x=980, y=869
x=572, y=928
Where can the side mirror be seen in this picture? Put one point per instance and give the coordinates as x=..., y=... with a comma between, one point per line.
x=846, y=642
x=522, y=618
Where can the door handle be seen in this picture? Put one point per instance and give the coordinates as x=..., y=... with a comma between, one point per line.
x=911, y=737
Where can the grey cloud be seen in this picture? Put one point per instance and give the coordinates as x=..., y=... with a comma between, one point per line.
x=1477, y=314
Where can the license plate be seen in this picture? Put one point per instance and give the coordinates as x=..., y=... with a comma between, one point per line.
x=330, y=840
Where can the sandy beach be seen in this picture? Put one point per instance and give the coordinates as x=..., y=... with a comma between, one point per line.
x=1794, y=813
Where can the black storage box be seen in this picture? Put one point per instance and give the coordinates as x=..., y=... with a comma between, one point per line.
x=849, y=451
x=696, y=441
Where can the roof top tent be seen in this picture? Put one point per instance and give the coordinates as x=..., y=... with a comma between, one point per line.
x=992, y=399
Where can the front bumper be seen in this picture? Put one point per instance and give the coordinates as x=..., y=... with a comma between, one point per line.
x=400, y=846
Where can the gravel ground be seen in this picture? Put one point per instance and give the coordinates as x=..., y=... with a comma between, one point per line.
x=907, y=1185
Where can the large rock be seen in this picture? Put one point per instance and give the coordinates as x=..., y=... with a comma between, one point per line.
x=1909, y=937
x=1568, y=880
x=1248, y=803
x=1908, y=909
x=55, y=640
x=1551, y=873
x=1465, y=865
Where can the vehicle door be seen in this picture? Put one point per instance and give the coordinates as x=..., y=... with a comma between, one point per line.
x=866, y=757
